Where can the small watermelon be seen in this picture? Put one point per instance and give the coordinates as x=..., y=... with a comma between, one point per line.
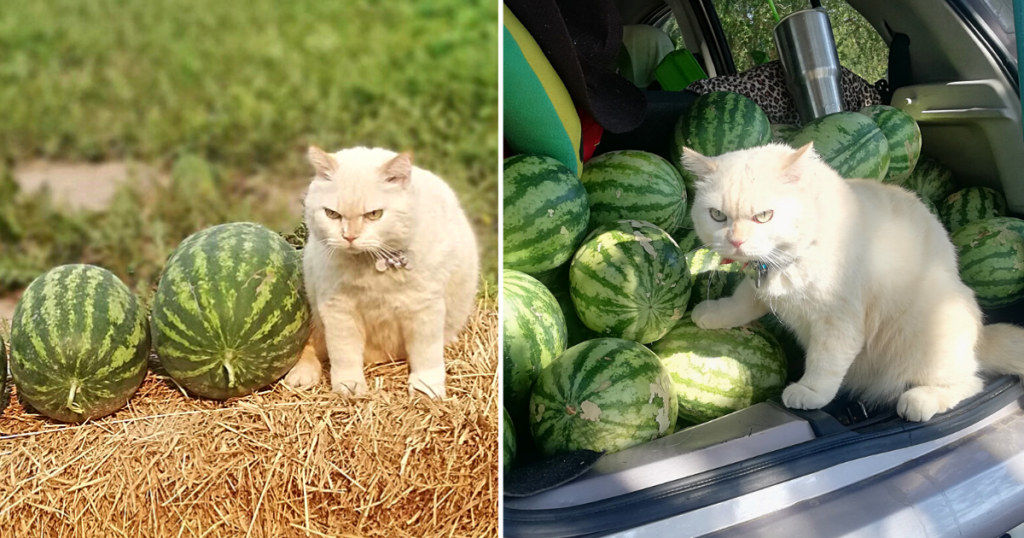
x=782, y=132
x=716, y=372
x=546, y=213
x=533, y=334
x=794, y=350
x=630, y=184
x=605, y=394
x=991, y=255
x=932, y=208
x=848, y=142
x=79, y=343
x=230, y=314
x=712, y=279
x=903, y=136
x=508, y=441
x=688, y=241
x=972, y=204
x=629, y=280
x=931, y=179
x=717, y=123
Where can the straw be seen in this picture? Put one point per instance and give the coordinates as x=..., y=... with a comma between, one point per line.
x=278, y=463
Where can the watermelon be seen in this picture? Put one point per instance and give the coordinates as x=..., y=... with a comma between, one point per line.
x=630, y=184
x=605, y=394
x=688, y=241
x=931, y=179
x=781, y=132
x=991, y=256
x=629, y=280
x=972, y=204
x=716, y=372
x=508, y=441
x=717, y=123
x=533, y=334
x=4, y=396
x=711, y=278
x=546, y=213
x=230, y=315
x=791, y=345
x=903, y=136
x=932, y=208
x=79, y=343
x=848, y=142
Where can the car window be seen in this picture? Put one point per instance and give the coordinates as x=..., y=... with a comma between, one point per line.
x=748, y=29
x=997, y=18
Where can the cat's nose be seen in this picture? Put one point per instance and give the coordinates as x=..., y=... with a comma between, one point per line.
x=737, y=242
x=350, y=238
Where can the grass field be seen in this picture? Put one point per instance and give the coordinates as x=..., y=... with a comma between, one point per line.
x=222, y=98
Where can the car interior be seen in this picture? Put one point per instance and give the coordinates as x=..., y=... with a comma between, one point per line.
x=961, y=86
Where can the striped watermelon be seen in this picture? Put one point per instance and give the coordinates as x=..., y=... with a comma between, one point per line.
x=716, y=372
x=848, y=142
x=508, y=441
x=605, y=394
x=230, y=315
x=794, y=350
x=971, y=204
x=930, y=179
x=717, y=123
x=631, y=184
x=782, y=132
x=546, y=213
x=688, y=241
x=991, y=253
x=932, y=208
x=533, y=333
x=903, y=137
x=79, y=343
x=711, y=278
x=628, y=280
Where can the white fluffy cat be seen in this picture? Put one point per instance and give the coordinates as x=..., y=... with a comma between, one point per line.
x=863, y=274
x=391, y=269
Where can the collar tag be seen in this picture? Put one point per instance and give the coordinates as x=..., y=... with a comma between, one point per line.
x=393, y=262
x=761, y=269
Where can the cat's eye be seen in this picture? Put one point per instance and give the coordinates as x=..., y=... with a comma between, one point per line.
x=717, y=215
x=764, y=216
x=332, y=213
x=374, y=215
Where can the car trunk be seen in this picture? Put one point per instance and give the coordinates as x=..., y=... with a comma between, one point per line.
x=744, y=452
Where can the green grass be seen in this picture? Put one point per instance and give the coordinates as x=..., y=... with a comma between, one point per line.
x=225, y=96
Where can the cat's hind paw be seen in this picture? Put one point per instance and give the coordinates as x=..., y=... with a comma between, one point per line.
x=917, y=405
x=797, y=396
x=710, y=315
x=303, y=375
x=350, y=387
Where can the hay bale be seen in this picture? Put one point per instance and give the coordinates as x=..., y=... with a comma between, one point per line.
x=278, y=463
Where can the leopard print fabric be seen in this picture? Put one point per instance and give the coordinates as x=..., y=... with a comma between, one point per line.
x=766, y=86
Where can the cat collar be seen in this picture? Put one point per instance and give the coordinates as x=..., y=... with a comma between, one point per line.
x=757, y=269
x=393, y=261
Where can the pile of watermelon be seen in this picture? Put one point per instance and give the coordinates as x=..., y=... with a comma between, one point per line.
x=602, y=272
x=229, y=317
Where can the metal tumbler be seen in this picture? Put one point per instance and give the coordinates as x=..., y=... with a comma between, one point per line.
x=807, y=51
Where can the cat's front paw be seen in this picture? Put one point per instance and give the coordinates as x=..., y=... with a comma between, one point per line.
x=303, y=375
x=797, y=396
x=434, y=388
x=349, y=387
x=917, y=405
x=710, y=315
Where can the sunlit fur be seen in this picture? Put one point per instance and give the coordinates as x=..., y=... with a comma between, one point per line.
x=362, y=314
x=862, y=272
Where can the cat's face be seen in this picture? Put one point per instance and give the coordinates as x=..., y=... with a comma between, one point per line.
x=751, y=204
x=359, y=200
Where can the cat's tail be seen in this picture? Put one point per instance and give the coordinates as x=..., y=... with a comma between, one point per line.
x=1001, y=349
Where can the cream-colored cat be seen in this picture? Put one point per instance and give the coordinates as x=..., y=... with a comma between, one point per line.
x=390, y=266
x=863, y=274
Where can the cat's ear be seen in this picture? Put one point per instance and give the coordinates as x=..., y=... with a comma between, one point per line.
x=323, y=162
x=698, y=164
x=399, y=169
x=790, y=166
